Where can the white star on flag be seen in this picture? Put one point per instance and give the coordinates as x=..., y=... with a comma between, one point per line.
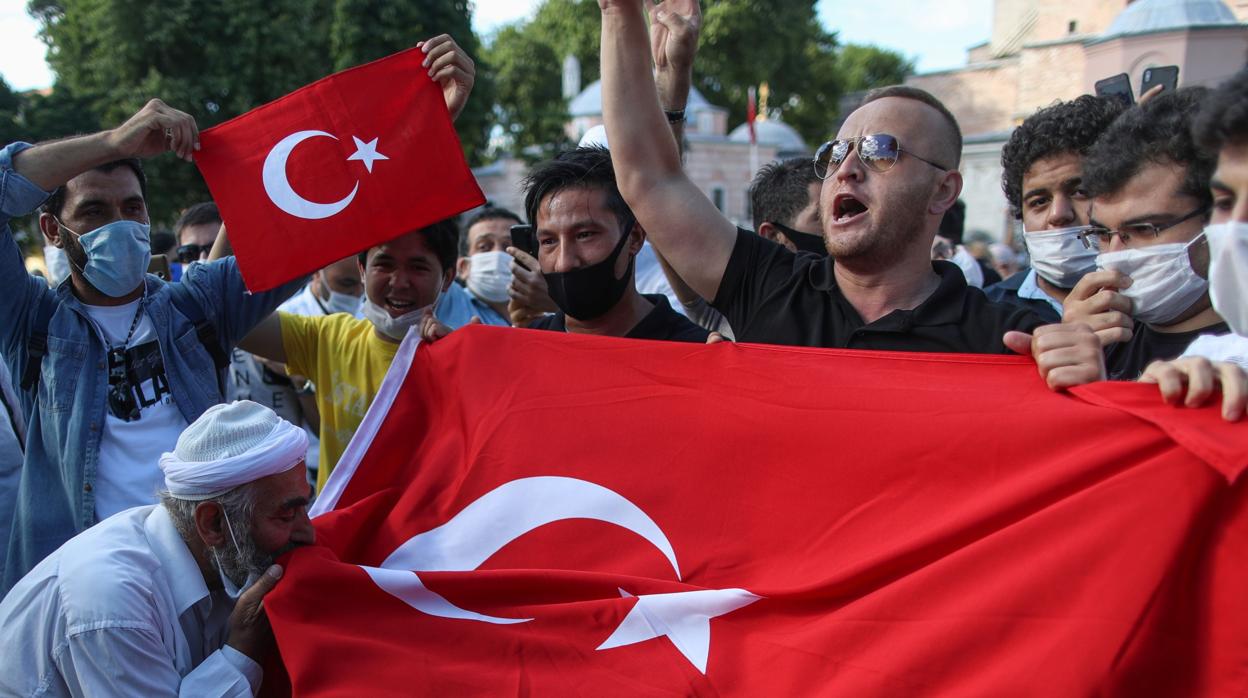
x=684, y=617
x=366, y=153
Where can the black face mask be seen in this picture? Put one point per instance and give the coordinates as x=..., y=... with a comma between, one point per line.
x=804, y=242
x=589, y=292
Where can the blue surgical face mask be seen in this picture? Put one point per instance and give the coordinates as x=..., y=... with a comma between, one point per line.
x=117, y=256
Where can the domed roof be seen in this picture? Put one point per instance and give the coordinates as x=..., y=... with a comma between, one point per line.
x=771, y=132
x=589, y=101
x=1151, y=16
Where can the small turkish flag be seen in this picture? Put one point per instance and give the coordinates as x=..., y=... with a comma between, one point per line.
x=335, y=167
x=616, y=524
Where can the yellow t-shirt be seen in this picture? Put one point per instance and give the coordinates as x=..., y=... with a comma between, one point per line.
x=346, y=360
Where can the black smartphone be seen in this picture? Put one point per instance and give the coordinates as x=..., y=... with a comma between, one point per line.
x=159, y=265
x=1116, y=87
x=522, y=239
x=1166, y=76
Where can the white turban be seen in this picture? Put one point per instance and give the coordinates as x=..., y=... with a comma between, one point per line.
x=231, y=445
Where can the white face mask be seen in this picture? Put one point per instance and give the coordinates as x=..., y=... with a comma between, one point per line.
x=1163, y=282
x=489, y=275
x=396, y=327
x=339, y=302
x=1228, y=273
x=1058, y=255
x=231, y=589
x=970, y=267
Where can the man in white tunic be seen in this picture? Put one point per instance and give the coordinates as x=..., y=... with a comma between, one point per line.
x=165, y=600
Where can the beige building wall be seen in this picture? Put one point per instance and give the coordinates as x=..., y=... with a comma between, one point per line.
x=982, y=97
x=1049, y=73
x=1202, y=56
x=724, y=166
x=1205, y=62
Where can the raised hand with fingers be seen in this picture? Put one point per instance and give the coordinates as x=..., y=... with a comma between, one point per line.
x=1191, y=381
x=674, y=29
x=1066, y=354
x=529, y=297
x=1096, y=302
x=449, y=65
x=154, y=129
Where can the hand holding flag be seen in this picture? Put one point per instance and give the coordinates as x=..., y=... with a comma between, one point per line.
x=343, y=164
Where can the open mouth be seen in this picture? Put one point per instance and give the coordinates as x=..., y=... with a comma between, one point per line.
x=399, y=307
x=845, y=207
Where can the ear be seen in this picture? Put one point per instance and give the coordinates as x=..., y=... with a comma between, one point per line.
x=51, y=230
x=448, y=278
x=210, y=524
x=769, y=231
x=462, y=266
x=946, y=194
x=638, y=236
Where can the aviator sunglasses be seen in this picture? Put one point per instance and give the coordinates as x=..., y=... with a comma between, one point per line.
x=878, y=151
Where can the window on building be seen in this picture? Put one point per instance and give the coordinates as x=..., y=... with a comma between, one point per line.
x=1072, y=27
x=749, y=206
x=717, y=196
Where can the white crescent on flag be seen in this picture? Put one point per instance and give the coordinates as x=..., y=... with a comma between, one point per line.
x=283, y=195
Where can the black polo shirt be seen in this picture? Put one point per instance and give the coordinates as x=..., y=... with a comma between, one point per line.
x=661, y=323
x=772, y=295
x=1126, y=361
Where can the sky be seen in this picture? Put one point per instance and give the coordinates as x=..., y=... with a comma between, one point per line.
x=935, y=34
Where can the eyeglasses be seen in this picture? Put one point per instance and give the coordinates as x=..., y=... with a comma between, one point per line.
x=192, y=253
x=878, y=151
x=1097, y=236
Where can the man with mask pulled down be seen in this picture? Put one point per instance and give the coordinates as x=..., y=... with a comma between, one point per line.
x=587, y=239
x=1149, y=297
x=1043, y=180
x=165, y=599
x=113, y=363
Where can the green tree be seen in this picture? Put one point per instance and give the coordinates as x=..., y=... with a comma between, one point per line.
x=10, y=106
x=865, y=67
x=531, y=108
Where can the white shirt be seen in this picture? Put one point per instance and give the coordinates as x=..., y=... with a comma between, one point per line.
x=1230, y=347
x=648, y=276
x=128, y=475
x=121, y=610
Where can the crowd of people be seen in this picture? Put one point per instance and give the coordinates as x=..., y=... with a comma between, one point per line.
x=164, y=434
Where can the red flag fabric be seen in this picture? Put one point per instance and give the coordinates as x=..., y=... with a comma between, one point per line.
x=335, y=167
x=529, y=513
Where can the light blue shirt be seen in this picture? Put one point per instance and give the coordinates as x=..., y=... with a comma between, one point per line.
x=1031, y=290
x=121, y=610
x=457, y=306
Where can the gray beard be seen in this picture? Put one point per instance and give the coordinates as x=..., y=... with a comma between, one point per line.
x=239, y=563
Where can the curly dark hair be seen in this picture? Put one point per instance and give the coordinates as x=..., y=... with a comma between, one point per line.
x=587, y=167
x=1156, y=132
x=1224, y=115
x=1065, y=127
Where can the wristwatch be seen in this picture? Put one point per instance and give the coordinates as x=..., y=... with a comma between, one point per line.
x=675, y=116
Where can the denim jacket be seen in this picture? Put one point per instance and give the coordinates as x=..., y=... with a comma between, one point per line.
x=65, y=410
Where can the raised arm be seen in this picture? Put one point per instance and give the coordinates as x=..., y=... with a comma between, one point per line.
x=156, y=127
x=681, y=223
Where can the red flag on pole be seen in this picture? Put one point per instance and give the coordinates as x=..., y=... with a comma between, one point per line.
x=333, y=168
x=655, y=519
x=751, y=113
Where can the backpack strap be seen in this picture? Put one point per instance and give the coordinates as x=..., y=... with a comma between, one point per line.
x=37, y=343
x=205, y=330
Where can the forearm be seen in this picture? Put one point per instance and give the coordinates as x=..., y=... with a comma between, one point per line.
x=673, y=87
x=49, y=165
x=221, y=246
x=630, y=103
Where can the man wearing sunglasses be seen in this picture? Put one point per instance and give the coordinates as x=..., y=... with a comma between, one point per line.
x=889, y=177
x=1043, y=182
x=196, y=230
x=1149, y=297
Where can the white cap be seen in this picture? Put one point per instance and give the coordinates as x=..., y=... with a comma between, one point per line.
x=596, y=136
x=231, y=445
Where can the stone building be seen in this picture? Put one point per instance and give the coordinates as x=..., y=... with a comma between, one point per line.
x=719, y=162
x=1042, y=51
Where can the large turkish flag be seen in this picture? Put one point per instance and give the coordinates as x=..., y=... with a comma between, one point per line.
x=531, y=513
x=335, y=167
